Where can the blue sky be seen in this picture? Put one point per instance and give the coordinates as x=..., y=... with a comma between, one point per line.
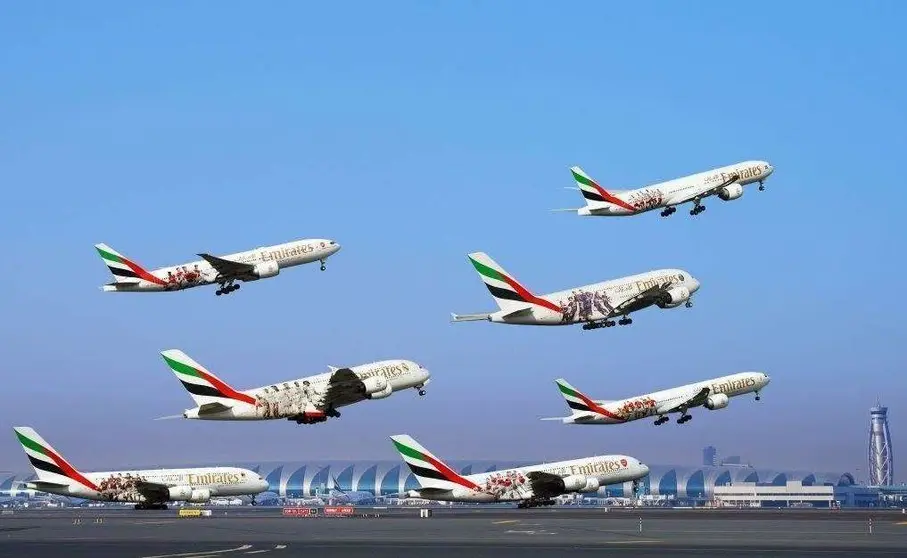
x=413, y=133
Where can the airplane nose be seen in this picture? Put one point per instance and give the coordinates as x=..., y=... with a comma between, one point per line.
x=694, y=285
x=768, y=170
x=766, y=378
x=262, y=485
x=644, y=468
x=335, y=246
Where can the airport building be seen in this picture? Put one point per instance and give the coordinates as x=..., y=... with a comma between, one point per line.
x=673, y=485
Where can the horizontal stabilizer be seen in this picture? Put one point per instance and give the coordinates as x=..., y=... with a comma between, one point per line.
x=168, y=417
x=211, y=408
x=469, y=317
x=561, y=419
x=566, y=209
x=520, y=312
x=44, y=486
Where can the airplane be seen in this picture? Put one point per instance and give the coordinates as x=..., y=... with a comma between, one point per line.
x=592, y=305
x=712, y=394
x=307, y=400
x=530, y=486
x=251, y=265
x=726, y=182
x=149, y=489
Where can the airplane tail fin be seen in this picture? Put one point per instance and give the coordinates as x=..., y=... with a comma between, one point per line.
x=204, y=387
x=593, y=193
x=509, y=294
x=578, y=402
x=430, y=471
x=49, y=465
x=123, y=269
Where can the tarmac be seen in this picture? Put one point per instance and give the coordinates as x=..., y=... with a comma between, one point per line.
x=476, y=532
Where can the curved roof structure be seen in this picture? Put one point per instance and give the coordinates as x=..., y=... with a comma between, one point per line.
x=305, y=479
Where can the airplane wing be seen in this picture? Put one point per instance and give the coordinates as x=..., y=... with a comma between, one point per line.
x=545, y=484
x=344, y=387
x=681, y=405
x=228, y=268
x=710, y=190
x=650, y=296
x=153, y=490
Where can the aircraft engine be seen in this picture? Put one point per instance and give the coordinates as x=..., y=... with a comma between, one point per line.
x=592, y=485
x=375, y=384
x=574, y=483
x=179, y=493
x=383, y=393
x=716, y=401
x=675, y=297
x=731, y=192
x=200, y=495
x=265, y=270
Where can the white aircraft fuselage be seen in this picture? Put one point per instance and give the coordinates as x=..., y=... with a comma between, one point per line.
x=513, y=485
x=596, y=302
x=296, y=398
x=189, y=485
x=681, y=190
x=266, y=261
x=663, y=402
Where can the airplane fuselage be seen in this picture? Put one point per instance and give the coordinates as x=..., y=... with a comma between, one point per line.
x=651, y=404
x=513, y=485
x=292, y=398
x=199, y=272
x=679, y=190
x=193, y=485
x=597, y=301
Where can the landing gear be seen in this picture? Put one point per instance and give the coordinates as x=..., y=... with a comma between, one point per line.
x=421, y=390
x=226, y=288
x=625, y=321
x=684, y=419
x=668, y=211
x=689, y=304
x=332, y=413
x=534, y=503
x=323, y=267
x=757, y=396
x=661, y=420
x=699, y=208
x=151, y=506
x=596, y=325
x=761, y=186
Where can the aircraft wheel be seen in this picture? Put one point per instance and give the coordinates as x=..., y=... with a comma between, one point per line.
x=422, y=392
x=323, y=267
x=236, y=287
x=689, y=304
x=218, y=292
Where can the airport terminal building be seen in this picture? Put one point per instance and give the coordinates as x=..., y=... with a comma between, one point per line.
x=672, y=484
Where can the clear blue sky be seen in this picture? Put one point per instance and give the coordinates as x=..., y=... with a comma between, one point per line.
x=413, y=133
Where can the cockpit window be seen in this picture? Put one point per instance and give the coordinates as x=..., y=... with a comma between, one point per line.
x=680, y=276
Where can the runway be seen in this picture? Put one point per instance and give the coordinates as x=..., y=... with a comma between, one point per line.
x=474, y=532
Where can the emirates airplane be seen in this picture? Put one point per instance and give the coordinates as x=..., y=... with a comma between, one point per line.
x=726, y=182
x=307, y=400
x=530, y=486
x=712, y=394
x=149, y=489
x=252, y=265
x=592, y=305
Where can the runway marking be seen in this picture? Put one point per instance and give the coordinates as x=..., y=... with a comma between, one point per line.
x=280, y=547
x=257, y=551
x=532, y=532
x=200, y=554
x=901, y=523
x=633, y=542
x=505, y=521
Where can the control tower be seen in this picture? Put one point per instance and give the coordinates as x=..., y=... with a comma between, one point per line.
x=881, y=464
